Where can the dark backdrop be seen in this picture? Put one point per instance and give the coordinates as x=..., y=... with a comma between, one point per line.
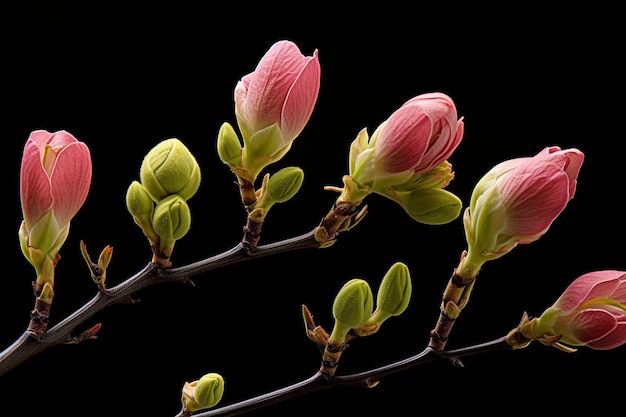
x=123, y=78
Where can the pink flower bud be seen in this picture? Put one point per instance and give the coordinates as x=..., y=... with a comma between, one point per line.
x=415, y=139
x=275, y=102
x=590, y=312
x=517, y=201
x=54, y=181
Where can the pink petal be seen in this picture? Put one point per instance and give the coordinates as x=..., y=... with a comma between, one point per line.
x=35, y=193
x=267, y=87
x=403, y=139
x=612, y=340
x=591, y=325
x=61, y=139
x=41, y=137
x=438, y=105
x=70, y=180
x=575, y=161
x=568, y=160
x=589, y=286
x=534, y=196
x=301, y=99
x=442, y=146
x=619, y=294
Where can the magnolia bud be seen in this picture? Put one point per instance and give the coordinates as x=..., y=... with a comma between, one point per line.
x=203, y=393
x=172, y=218
x=228, y=146
x=169, y=168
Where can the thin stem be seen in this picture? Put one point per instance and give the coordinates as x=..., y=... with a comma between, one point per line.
x=454, y=299
x=319, y=381
x=315, y=382
x=28, y=345
x=239, y=253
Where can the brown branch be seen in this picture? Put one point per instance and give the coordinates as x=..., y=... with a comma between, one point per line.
x=367, y=379
x=28, y=344
x=454, y=299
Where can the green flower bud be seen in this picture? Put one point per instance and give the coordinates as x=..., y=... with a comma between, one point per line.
x=284, y=184
x=228, y=146
x=169, y=168
x=395, y=290
x=203, y=393
x=432, y=206
x=172, y=218
x=352, y=306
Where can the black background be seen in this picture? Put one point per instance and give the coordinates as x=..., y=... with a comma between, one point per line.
x=123, y=78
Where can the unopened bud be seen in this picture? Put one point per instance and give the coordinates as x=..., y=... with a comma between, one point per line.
x=172, y=218
x=169, y=168
x=203, y=393
x=353, y=305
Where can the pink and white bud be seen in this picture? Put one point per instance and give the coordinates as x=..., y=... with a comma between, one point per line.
x=590, y=312
x=274, y=103
x=55, y=178
x=516, y=202
x=416, y=138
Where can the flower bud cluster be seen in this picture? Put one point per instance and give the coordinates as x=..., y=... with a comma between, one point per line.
x=169, y=176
